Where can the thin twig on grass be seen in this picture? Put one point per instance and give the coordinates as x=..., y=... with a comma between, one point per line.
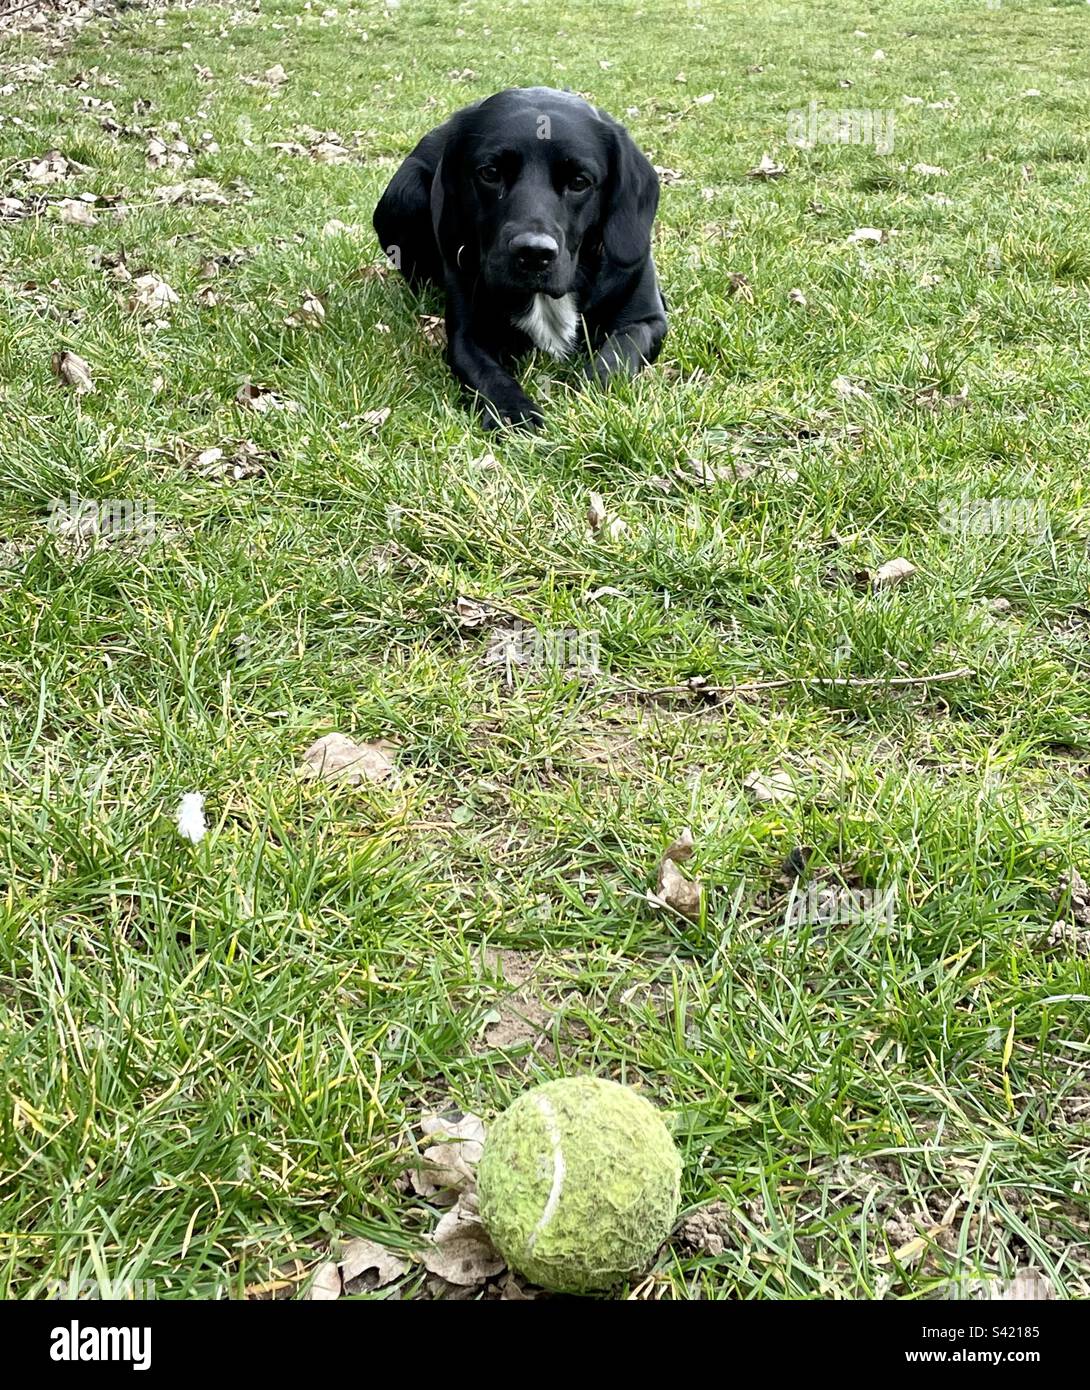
x=781, y=683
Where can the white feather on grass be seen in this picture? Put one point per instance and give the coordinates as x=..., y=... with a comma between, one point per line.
x=192, y=825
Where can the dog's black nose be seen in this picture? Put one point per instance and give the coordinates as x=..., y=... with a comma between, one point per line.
x=534, y=250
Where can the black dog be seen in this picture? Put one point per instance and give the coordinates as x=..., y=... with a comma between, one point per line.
x=533, y=210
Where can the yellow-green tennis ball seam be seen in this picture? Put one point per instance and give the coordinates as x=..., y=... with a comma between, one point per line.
x=579, y=1184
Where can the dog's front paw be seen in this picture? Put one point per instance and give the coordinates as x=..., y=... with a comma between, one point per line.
x=613, y=359
x=514, y=411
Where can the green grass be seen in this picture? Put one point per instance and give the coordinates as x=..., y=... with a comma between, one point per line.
x=213, y=1058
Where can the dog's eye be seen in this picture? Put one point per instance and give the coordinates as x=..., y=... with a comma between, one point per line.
x=579, y=183
x=488, y=173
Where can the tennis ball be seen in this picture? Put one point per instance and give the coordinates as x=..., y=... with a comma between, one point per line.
x=578, y=1184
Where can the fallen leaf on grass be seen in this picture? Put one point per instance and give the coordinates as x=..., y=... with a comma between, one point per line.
x=326, y=1284
x=51, y=167
x=471, y=613
x=596, y=512
x=194, y=192
x=459, y=1250
x=244, y=460
x=360, y=1257
x=77, y=212
x=931, y=398
x=159, y=154
x=328, y=152
x=885, y=576
x=699, y=471
x=847, y=389
x=669, y=176
x=674, y=890
x=868, y=236
x=376, y=418
x=261, y=399
x=338, y=758
x=450, y=1163
x=767, y=168
x=796, y=297
x=763, y=788
x=73, y=371
x=151, y=295
x=310, y=313
x=932, y=171
x=434, y=329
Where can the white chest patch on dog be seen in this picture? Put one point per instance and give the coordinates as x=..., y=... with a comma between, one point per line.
x=552, y=324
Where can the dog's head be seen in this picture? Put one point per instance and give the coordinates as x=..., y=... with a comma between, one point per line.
x=532, y=179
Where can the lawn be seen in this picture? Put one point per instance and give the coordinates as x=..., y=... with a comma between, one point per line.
x=271, y=519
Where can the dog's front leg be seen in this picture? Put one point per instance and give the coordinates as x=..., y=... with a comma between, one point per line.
x=629, y=349
x=500, y=399
x=636, y=333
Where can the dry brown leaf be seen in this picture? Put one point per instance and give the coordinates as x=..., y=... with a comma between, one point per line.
x=471, y=613
x=261, y=399
x=310, y=313
x=326, y=1284
x=51, y=167
x=892, y=572
x=77, y=212
x=245, y=460
x=450, y=1162
x=434, y=329
x=359, y=1256
x=766, y=169
x=338, y=758
x=847, y=389
x=682, y=848
x=151, y=295
x=328, y=152
x=459, y=1250
x=678, y=892
x=931, y=398
x=195, y=192
x=674, y=890
x=762, y=787
x=698, y=471
x=161, y=155
x=73, y=371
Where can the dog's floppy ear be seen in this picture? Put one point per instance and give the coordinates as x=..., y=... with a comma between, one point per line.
x=631, y=200
x=455, y=229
